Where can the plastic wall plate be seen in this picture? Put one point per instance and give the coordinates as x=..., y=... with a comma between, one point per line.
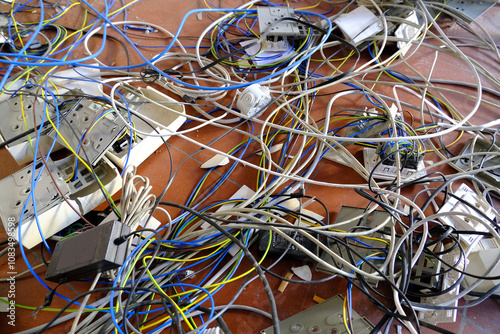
x=16, y=189
x=269, y=22
x=170, y=115
x=471, y=8
x=325, y=317
x=385, y=172
x=89, y=129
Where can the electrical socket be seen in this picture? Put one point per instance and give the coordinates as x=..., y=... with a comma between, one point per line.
x=11, y=114
x=17, y=187
x=268, y=16
x=491, y=177
x=102, y=134
x=444, y=316
x=455, y=207
x=425, y=270
x=84, y=178
x=155, y=105
x=385, y=172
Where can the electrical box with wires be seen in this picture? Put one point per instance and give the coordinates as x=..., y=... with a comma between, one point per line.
x=88, y=253
x=276, y=25
x=373, y=164
x=346, y=219
x=278, y=245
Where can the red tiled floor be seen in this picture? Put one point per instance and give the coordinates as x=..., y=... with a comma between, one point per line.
x=473, y=328
x=486, y=313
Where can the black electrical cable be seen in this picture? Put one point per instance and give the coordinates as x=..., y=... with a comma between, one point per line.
x=24, y=134
x=220, y=320
x=394, y=286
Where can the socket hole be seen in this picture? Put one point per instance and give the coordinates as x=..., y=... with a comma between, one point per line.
x=27, y=190
x=18, y=203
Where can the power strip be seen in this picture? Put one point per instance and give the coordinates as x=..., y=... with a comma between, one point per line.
x=90, y=127
x=154, y=105
x=17, y=187
x=19, y=115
